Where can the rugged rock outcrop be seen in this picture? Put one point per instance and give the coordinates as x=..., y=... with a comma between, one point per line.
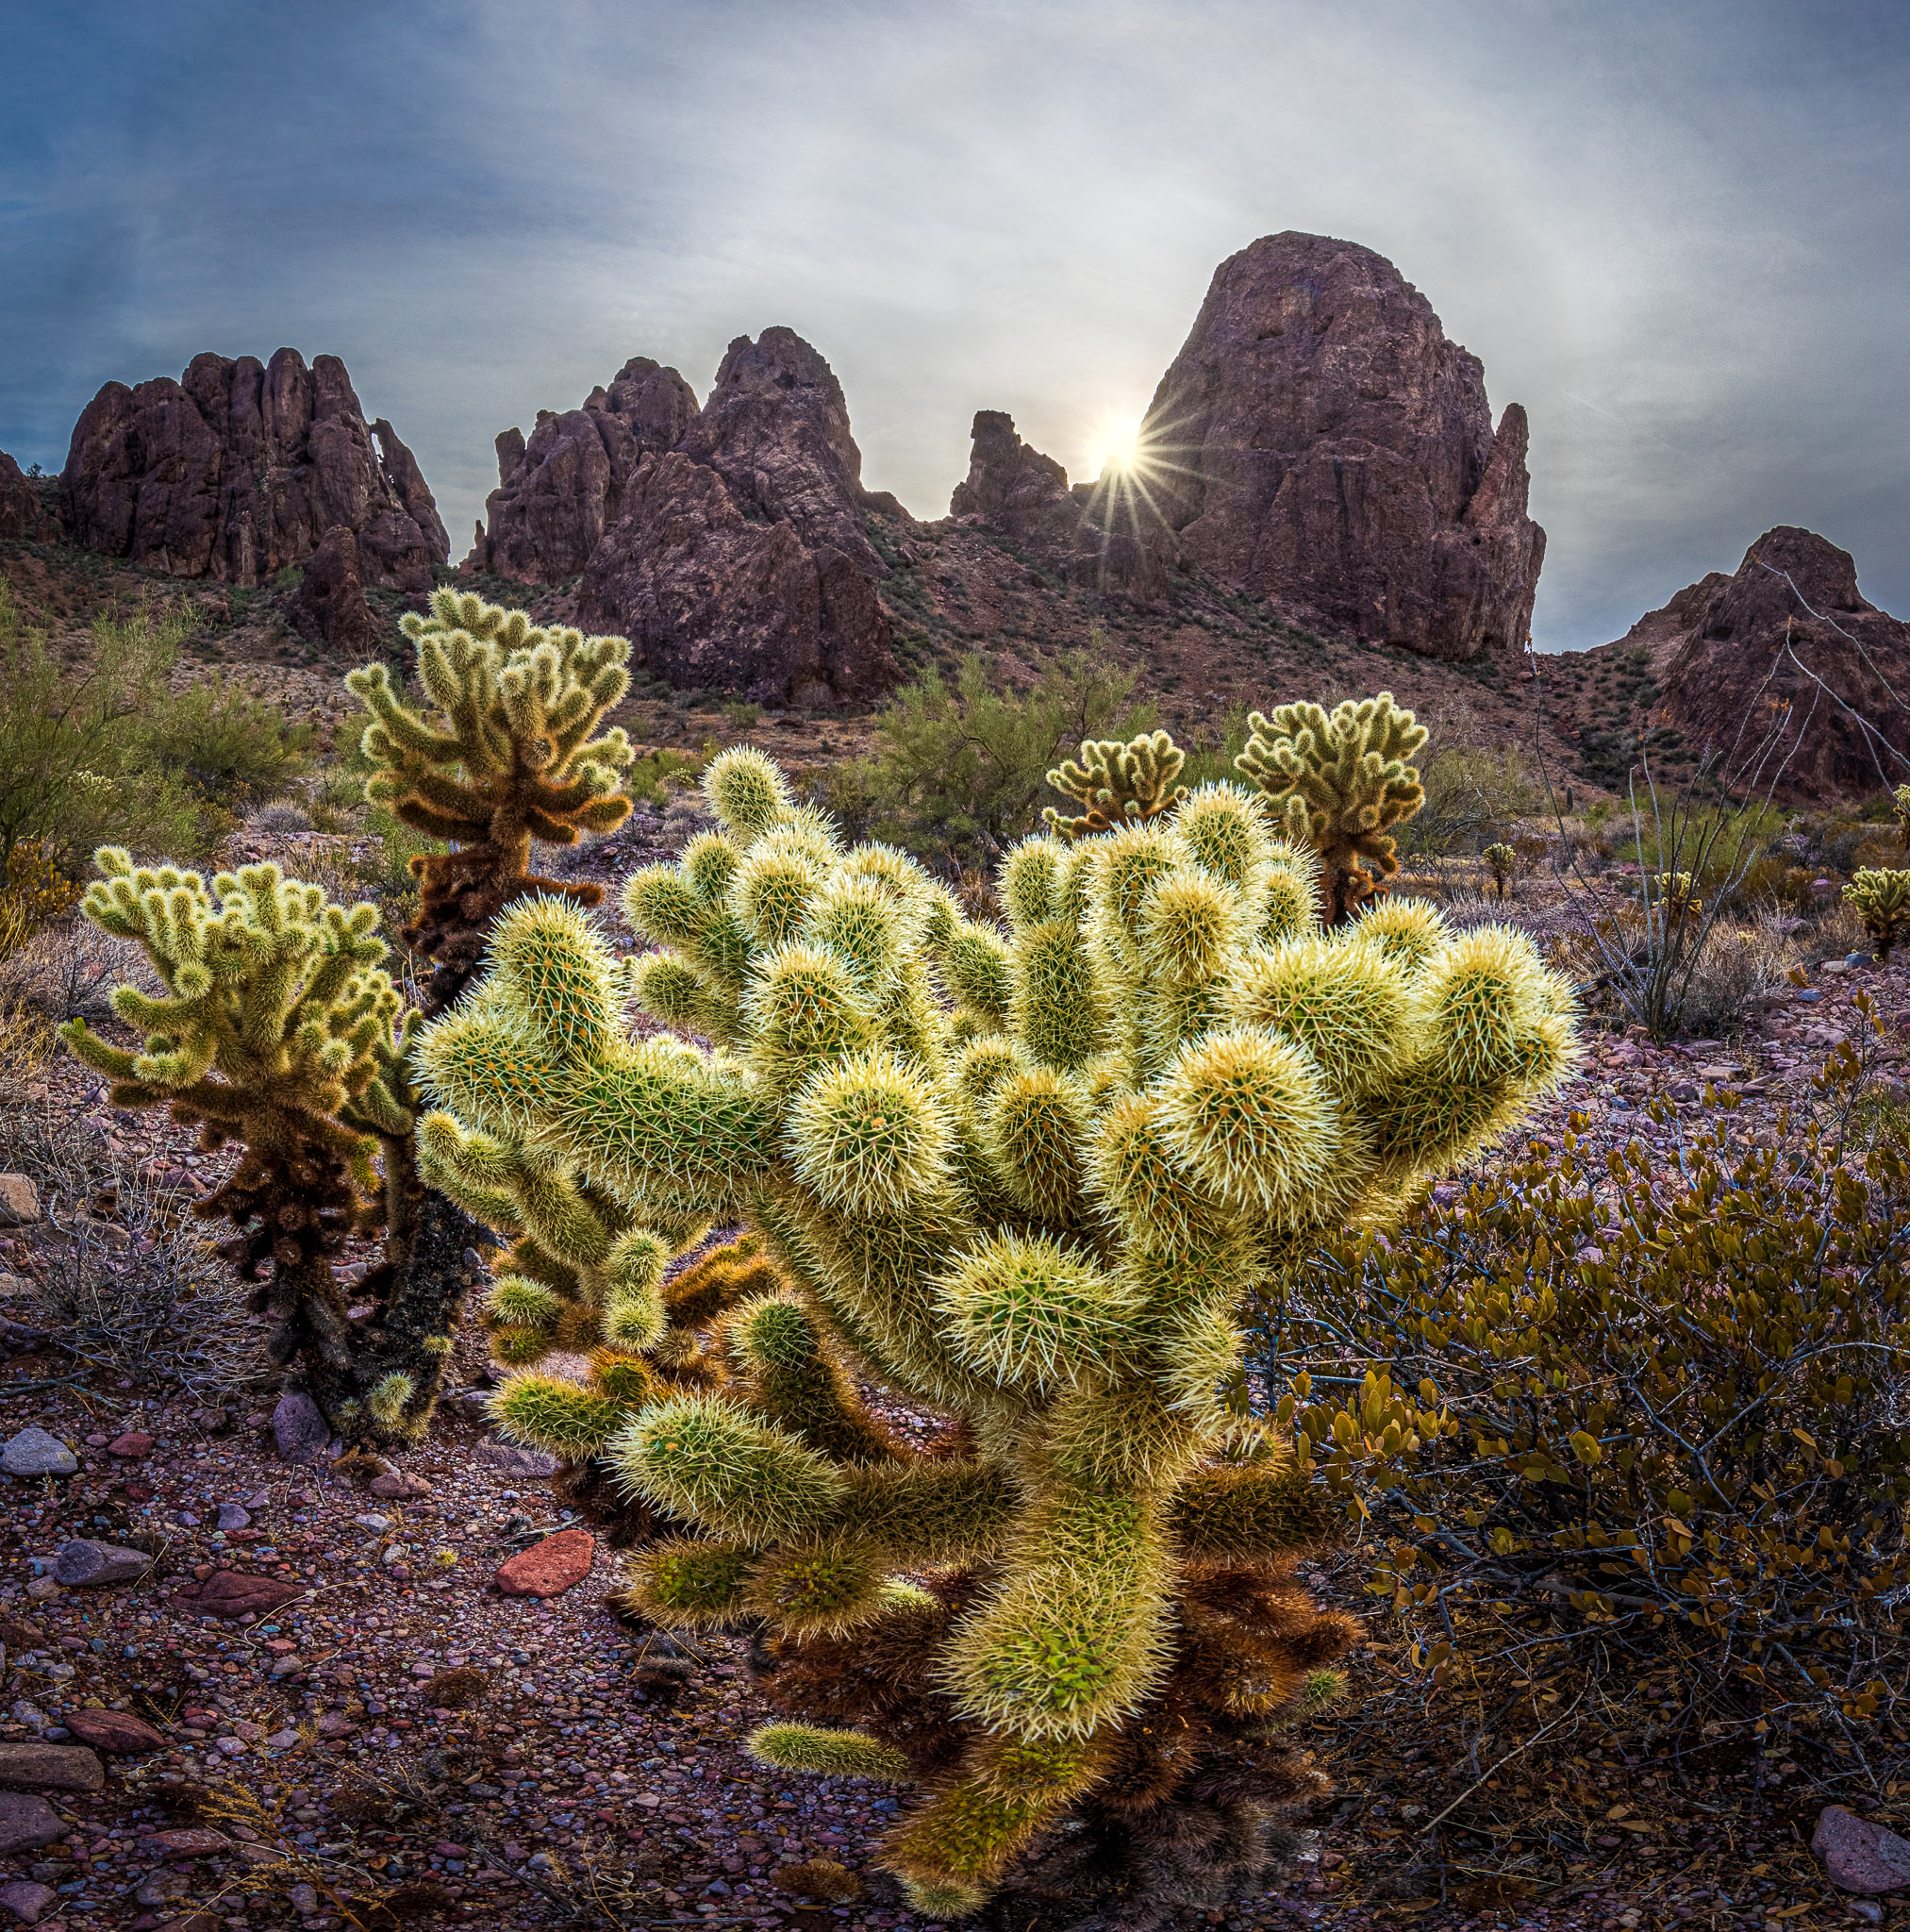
x=1318, y=439
x=738, y=560
x=559, y=492
x=24, y=511
x=329, y=607
x=241, y=468
x=1013, y=487
x=1789, y=628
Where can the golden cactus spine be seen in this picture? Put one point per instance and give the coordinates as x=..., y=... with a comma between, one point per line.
x=1029, y=1180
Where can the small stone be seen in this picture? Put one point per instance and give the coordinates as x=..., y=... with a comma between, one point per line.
x=19, y=1201
x=1858, y=1854
x=27, y=1901
x=375, y=1523
x=87, y=1564
x=511, y=1460
x=118, y=1733
x=33, y=1451
x=398, y=1485
x=225, y=1593
x=43, y=1589
x=549, y=1568
x=133, y=1446
x=191, y=1841
x=234, y=1516
x=29, y=1716
x=50, y=1768
x=334, y=1723
x=26, y=1822
x=299, y=1428
x=1866, y=1911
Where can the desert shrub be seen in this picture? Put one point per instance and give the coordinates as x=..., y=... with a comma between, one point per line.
x=659, y=774
x=232, y=747
x=77, y=755
x=280, y=818
x=1471, y=797
x=1738, y=966
x=962, y=767
x=137, y=1289
x=739, y=714
x=66, y=970
x=1660, y=1415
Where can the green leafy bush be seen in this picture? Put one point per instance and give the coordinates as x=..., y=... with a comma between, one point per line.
x=1660, y=1413
x=963, y=767
x=235, y=749
x=1471, y=794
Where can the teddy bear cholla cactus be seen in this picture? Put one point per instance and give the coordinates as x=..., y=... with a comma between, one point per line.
x=1117, y=784
x=1339, y=783
x=1028, y=1181
x=278, y=1029
x=1882, y=900
x=510, y=758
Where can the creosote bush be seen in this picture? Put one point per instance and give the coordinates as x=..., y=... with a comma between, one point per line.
x=1656, y=1413
x=1030, y=1180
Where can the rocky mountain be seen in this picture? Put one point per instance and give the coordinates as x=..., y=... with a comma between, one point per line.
x=240, y=468
x=24, y=509
x=1782, y=667
x=329, y=605
x=1318, y=443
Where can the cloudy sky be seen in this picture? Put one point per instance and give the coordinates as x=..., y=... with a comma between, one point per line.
x=1677, y=231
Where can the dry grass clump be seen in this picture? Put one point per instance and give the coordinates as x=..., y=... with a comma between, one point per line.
x=67, y=969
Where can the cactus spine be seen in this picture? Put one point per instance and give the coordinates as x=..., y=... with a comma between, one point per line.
x=509, y=757
x=1341, y=783
x=278, y=1029
x=1027, y=1180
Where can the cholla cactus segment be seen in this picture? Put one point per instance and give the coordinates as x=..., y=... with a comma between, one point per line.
x=1028, y=1178
x=277, y=1027
x=1341, y=782
x=1882, y=902
x=1900, y=804
x=1117, y=784
x=506, y=748
x=1677, y=898
x=1500, y=859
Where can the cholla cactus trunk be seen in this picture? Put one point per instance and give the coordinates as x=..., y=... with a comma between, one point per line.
x=277, y=1028
x=510, y=757
x=1026, y=1180
x=1341, y=783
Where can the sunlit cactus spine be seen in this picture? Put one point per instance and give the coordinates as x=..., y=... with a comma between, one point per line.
x=1117, y=784
x=1500, y=859
x=1028, y=1181
x=1340, y=782
x=505, y=750
x=279, y=1029
x=1882, y=900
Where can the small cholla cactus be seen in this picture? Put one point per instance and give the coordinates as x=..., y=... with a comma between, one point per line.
x=1500, y=859
x=510, y=758
x=279, y=1029
x=1677, y=896
x=1882, y=902
x=1117, y=784
x=1029, y=1180
x=1900, y=804
x=1341, y=783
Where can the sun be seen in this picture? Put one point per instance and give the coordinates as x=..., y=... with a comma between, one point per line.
x=1113, y=444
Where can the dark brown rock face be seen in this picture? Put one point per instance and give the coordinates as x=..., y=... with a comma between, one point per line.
x=240, y=469
x=1014, y=488
x=559, y=492
x=1731, y=651
x=23, y=512
x=738, y=560
x=1320, y=440
x=331, y=606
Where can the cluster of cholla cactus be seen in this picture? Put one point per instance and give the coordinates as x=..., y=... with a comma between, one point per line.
x=1117, y=784
x=278, y=1029
x=1678, y=897
x=1900, y=804
x=1881, y=899
x=510, y=757
x=1339, y=783
x=1026, y=1180
x=1500, y=860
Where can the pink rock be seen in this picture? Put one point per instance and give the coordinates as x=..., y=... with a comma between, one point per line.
x=225, y=1593
x=133, y=1446
x=115, y=1732
x=400, y=1485
x=549, y=1568
x=1860, y=1855
x=191, y=1841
